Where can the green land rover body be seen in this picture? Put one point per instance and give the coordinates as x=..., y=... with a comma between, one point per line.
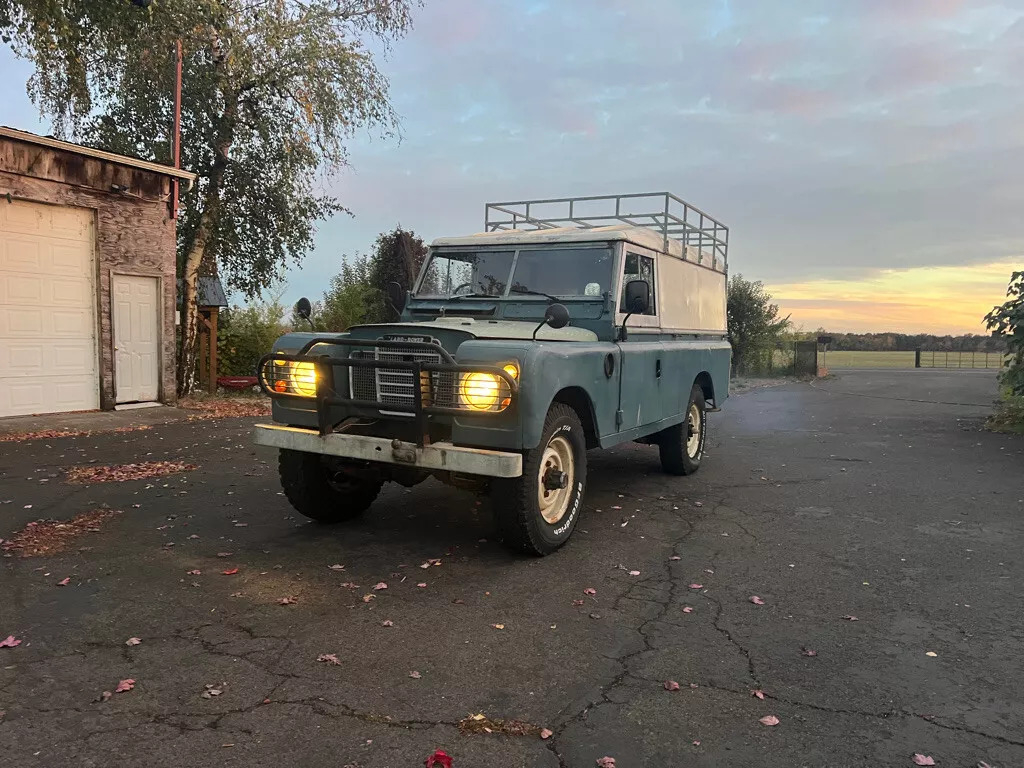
x=517, y=351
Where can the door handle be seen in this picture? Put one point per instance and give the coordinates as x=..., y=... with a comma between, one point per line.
x=657, y=368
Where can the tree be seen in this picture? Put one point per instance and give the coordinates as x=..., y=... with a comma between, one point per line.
x=247, y=333
x=272, y=91
x=397, y=258
x=347, y=301
x=754, y=322
x=1007, y=322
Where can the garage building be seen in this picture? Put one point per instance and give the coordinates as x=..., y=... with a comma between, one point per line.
x=87, y=277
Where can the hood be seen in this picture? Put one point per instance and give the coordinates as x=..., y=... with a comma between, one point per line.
x=487, y=329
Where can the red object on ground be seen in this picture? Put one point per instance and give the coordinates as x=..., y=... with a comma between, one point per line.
x=237, y=382
x=440, y=759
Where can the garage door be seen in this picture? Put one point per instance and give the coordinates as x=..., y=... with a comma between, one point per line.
x=47, y=309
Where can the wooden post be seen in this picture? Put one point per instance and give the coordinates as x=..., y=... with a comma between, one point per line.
x=212, y=385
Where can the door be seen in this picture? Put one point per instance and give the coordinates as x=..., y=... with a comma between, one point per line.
x=48, y=357
x=641, y=366
x=136, y=350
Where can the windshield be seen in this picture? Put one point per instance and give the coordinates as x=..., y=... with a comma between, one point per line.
x=561, y=272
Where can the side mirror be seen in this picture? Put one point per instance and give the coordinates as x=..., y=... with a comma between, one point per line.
x=396, y=296
x=638, y=297
x=303, y=308
x=556, y=315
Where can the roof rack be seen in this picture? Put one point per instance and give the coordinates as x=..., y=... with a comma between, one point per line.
x=662, y=212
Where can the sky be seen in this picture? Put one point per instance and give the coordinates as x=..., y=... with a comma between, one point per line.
x=867, y=155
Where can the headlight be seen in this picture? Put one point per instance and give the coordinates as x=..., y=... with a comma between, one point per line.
x=288, y=377
x=485, y=391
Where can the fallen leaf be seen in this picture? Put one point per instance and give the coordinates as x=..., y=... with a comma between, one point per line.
x=47, y=537
x=119, y=473
x=194, y=572
x=105, y=696
x=577, y=602
x=287, y=601
x=64, y=582
x=194, y=536
x=756, y=600
x=634, y=573
x=132, y=641
x=422, y=584
x=696, y=586
x=933, y=654
x=698, y=503
x=328, y=658
x=675, y=557
x=693, y=685
x=851, y=618
x=546, y=734
x=696, y=742
x=387, y=623
x=336, y=567
x=804, y=651
x=415, y=675
x=595, y=615
x=757, y=692
x=369, y=597
x=125, y=685
x=920, y=759
x=769, y=720
x=225, y=554
x=10, y=642
x=379, y=586
x=230, y=572
x=671, y=685
x=498, y=626
x=606, y=762
x=438, y=760
x=589, y=591
x=687, y=609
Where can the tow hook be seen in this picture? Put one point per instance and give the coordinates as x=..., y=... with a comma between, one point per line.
x=402, y=452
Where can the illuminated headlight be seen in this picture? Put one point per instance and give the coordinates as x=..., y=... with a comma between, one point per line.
x=287, y=377
x=485, y=391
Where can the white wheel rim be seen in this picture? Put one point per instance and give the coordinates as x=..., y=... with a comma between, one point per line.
x=693, y=429
x=554, y=503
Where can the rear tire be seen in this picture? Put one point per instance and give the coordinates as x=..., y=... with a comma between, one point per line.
x=313, y=492
x=682, y=446
x=537, y=512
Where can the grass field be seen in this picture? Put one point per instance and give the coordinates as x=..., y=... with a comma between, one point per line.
x=837, y=360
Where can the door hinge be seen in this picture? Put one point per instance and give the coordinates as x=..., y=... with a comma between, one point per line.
x=618, y=418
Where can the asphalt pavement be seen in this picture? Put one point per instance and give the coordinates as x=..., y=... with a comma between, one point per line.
x=878, y=526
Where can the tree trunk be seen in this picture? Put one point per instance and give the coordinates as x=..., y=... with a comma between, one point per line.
x=208, y=220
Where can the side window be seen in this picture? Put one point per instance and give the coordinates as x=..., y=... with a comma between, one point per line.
x=639, y=268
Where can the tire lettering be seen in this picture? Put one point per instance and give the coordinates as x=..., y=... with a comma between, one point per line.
x=572, y=514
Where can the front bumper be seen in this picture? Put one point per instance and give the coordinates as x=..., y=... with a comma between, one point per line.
x=437, y=456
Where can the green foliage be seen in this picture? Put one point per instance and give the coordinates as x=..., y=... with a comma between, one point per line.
x=347, y=301
x=1008, y=416
x=755, y=327
x=1007, y=322
x=272, y=90
x=245, y=334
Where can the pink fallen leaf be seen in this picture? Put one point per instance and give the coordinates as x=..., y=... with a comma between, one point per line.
x=439, y=759
x=422, y=585
x=415, y=675
x=287, y=601
x=498, y=626
x=808, y=652
x=125, y=685
x=696, y=586
x=10, y=642
x=671, y=685
x=687, y=609
x=693, y=685
x=851, y=618
x=194, y=572
x=696, y=742
x=606, y=762
x=368, y=598
x=546, y=733
x=634, y=573
x=379, y=586
x=769, y=720
x=589, y=591
x=758, y=693
x=756, y=600
x=920, y=759
x=132, y=641
x=577, y=602
x=230, y=572
x=64, y=582
x=328, y=658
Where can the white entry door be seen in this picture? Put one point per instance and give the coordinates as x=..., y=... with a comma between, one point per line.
x=136, y=338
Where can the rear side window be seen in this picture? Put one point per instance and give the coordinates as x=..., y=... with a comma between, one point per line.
x=639, y=268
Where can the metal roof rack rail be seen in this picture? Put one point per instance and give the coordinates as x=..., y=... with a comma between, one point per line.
x=662, y=212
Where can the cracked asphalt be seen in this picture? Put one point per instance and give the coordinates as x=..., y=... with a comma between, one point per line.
x=874, y=494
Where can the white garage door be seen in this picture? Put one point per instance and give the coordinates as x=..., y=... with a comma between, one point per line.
x=47, y=310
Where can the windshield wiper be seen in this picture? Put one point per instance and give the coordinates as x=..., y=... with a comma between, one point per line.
x=476, y=296
x=533, y=293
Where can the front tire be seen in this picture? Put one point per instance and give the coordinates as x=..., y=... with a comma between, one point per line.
x=319, y=494
x=537, y=512
x=682, y=446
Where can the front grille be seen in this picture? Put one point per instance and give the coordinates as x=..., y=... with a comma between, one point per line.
x=393, y=386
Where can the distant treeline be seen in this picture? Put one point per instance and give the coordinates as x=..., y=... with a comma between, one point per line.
x=905, y=342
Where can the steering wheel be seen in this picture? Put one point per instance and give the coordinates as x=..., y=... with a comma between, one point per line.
x=460, y=287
